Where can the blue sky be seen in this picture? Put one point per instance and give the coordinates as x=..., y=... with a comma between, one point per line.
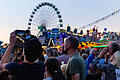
x=14, y=14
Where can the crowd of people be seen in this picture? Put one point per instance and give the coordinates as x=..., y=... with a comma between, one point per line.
x=69, y=64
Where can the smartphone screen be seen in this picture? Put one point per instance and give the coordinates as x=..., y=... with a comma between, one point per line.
x=20, y=33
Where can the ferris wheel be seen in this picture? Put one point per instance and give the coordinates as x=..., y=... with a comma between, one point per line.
x=44, y=16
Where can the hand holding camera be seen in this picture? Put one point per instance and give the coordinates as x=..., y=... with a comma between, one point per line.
x=19, y=33
x=22, y=33
x=105, y=50
x=12, y=38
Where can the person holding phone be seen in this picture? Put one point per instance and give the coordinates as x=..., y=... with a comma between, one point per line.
x=29, y=69
x=108, y=68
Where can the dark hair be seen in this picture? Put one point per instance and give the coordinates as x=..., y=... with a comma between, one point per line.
x=5, y=75
x=64, y=52
x=41, y=58
x=53, y=68
x=33, y=49
x=74, y=42
x=27, y=31
x=115, y=46
x=52, y=52
x=84, y=55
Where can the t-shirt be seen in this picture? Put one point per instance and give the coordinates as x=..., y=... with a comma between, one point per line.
x=89, y=60
x=27, y=71
x=76, y=64
x=64, y=58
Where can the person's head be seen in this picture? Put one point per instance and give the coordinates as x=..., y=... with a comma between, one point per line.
x=32, y=50
x=5, y=75
x=94, y=52
x=84, y=55
x=113, y=47
x=53, y=68
x=71, y=43
x=51, y=52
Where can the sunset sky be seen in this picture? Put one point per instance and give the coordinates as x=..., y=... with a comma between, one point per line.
x=14, y=14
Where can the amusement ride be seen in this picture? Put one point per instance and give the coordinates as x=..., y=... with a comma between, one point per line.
x=45, y=16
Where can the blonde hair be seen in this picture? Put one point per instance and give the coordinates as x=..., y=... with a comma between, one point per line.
x=116, y=61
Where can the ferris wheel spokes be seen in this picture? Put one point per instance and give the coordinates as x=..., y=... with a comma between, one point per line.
x=45, y=14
